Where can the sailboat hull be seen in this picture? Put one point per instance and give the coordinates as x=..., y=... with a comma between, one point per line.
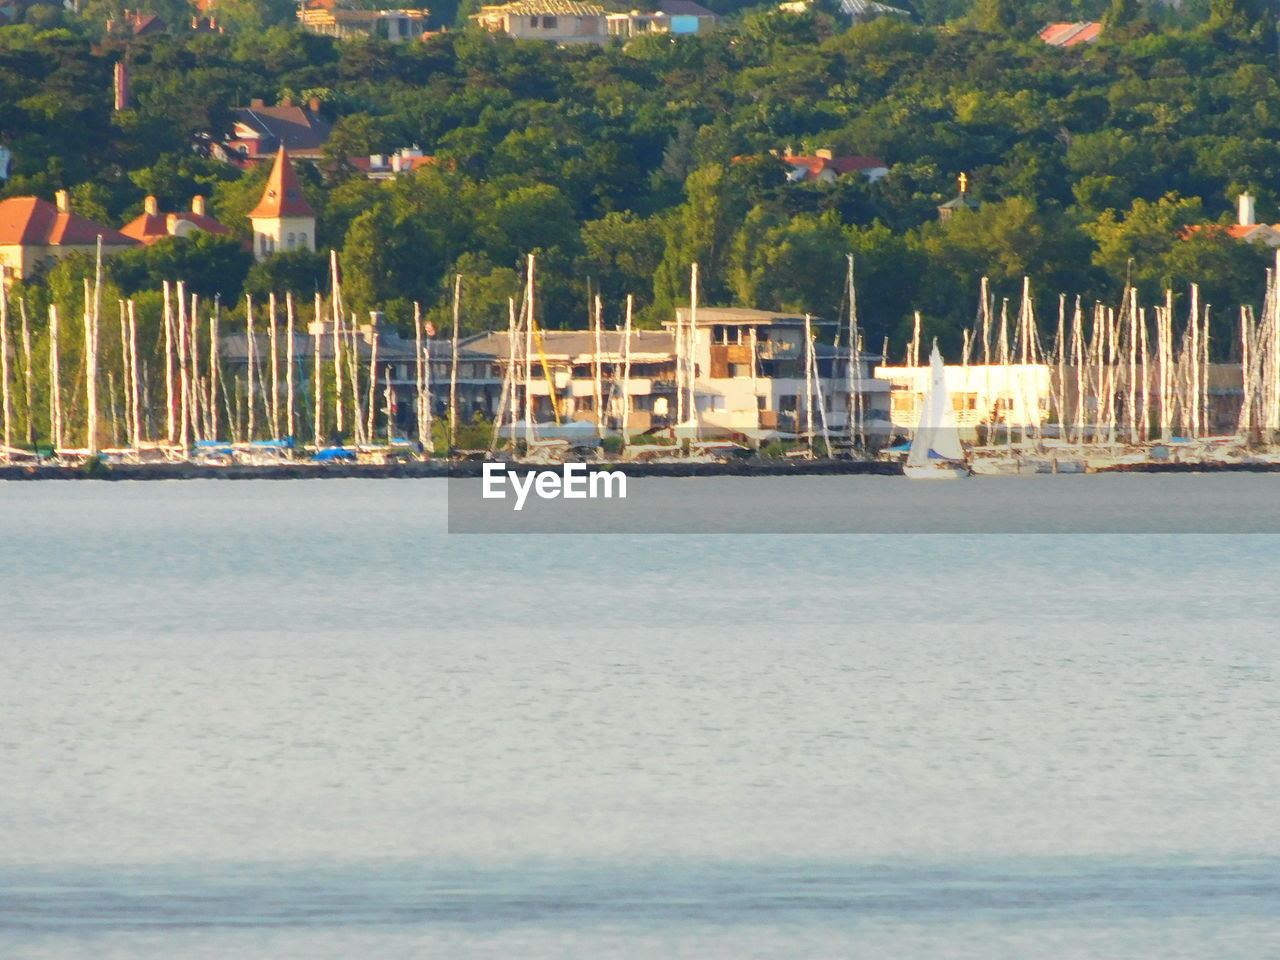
x=939, y=472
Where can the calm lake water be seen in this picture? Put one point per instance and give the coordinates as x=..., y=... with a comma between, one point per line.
x=295, y=720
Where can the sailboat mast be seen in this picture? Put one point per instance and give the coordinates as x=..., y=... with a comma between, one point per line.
x=169, y=412
x=134, y=377
x=124, y=371
x=199, y=413
x=184, y=408
x=251, y=353
x=215, y=366
x=335, y=301
x=55, y=379
x=453, y=362
x=373, y=377
x=808, y=380
x=528, y=353
x=91, y=354
x=5, y=400
x=289, y=392
x=597, y=374
x=626, y=374
x=317, y=375
x=419, y=382
x=690, y=362
x=274, y=348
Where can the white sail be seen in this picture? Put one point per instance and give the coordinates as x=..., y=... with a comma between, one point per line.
x=937, y=437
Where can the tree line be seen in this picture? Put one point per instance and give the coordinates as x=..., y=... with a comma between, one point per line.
x=620, y=165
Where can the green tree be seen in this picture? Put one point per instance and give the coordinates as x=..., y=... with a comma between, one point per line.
x=209, y=264
x=621, y=252
x=300, y=272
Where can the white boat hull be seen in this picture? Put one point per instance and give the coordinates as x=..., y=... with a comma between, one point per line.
x=940, y=472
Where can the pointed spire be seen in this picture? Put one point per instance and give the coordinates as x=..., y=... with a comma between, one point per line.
x=283, y=195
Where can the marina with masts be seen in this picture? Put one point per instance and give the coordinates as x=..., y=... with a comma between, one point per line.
x=1100, y=386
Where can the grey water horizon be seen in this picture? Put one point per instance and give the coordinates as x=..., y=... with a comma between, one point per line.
x=297, y=720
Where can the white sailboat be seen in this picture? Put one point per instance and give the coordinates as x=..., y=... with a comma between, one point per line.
x=935, y=452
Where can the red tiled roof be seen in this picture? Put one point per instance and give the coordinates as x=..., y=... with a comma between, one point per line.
x=839, y=165
x=1240, y=231
x=32, y=222
x=282, y=196
x=1070, y=34
x=147, y=228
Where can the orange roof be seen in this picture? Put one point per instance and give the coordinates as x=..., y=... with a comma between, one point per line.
x=32, y=222
x=1069, y=34
x=840, y=165
x=147, y=228
x=1240, y=231
x=283, y=194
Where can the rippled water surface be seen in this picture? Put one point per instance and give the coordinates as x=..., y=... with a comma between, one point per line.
x=295, y=720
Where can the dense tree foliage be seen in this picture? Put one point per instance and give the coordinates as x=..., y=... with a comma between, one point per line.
x=619, y=166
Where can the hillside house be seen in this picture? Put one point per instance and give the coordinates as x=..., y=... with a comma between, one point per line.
x=678, y=17
x=394, y=26
x=153, y=224
x=35, y=233
x=559, y=21
x=260, y=131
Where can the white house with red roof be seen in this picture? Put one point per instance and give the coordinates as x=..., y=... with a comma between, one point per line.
x=382, y=166
x=1246, y=227
x=154, y=224
x=282, y=220
x=35, y=233
x=259, y=131
x=825, y=167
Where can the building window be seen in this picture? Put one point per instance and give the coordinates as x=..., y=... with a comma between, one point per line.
x=292, y=240
x=533, y=22
x=548, y=23
x=739, y=370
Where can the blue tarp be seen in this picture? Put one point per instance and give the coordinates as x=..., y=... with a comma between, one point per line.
x=330, y=454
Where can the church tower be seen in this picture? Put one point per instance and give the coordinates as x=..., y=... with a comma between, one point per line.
x=282, y=220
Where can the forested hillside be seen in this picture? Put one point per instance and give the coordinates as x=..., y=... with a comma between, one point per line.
x=617, y=164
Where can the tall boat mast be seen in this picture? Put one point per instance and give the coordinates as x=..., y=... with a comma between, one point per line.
x=215, y=366
x=335, y=301
x=169, y=410
x=134, y=377
x=373, y=378
x=91, y=353
x=808, y=381
x=626, y=374
x=5, y=400
x=274, y=349
x=453, y=363
x=251, y=355
x=55, y=380
x=597, y=374
x=854, y=412
x=317, y=375
x=528, y=351
x=690, y=362
x=184, y=386
x=289, y=348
